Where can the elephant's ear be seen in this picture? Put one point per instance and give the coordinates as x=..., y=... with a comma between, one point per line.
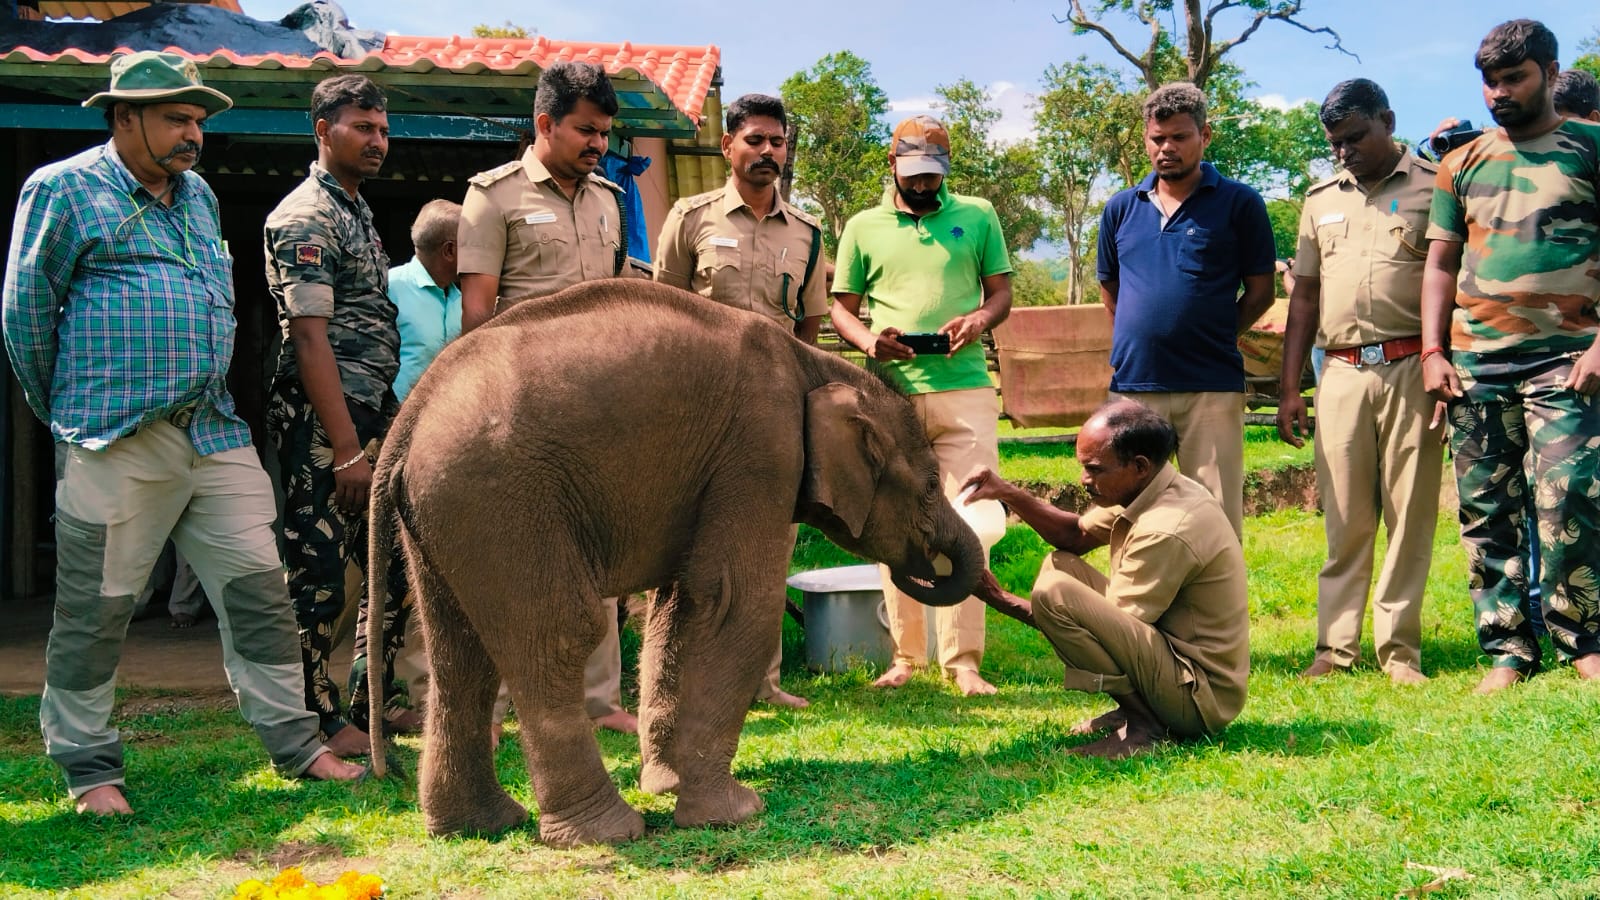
x=843, y=456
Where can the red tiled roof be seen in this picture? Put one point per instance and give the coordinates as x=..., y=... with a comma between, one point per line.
x=683, y=74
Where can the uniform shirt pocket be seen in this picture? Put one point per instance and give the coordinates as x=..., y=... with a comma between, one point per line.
x=546, y=239
x=723, y=268
x=1331, y=235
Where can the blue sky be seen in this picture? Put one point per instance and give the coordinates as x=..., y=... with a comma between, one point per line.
x=1419, y=50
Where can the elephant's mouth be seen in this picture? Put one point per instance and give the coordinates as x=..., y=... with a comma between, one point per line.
x=921, y=578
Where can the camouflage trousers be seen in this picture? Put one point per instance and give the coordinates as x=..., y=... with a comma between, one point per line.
x=320, y=541
x=1519, y=430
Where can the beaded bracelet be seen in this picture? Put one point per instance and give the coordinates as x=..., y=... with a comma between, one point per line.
x=352, y=461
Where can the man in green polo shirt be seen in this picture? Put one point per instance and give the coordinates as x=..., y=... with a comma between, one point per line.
x=929, y=261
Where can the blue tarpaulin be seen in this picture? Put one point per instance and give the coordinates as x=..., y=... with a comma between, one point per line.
x=622, y=170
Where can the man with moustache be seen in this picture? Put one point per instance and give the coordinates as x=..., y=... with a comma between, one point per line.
x=1167, y=635
x=118, y=318
x=1359, y=296
x=743, y=246
x=927, y=260
x=1508, y=331
x=1174, y=252
x=331, y=399
x=540, y=224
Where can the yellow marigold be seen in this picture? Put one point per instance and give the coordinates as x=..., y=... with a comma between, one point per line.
x=291, y=884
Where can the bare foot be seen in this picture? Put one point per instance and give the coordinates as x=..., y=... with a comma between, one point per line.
x=1103, y=722
x=898, y=674
x=620, y=721
x=1134, y=736
x=1322, y=667
x=971, y=684
x=349, y=741
x=1498, y=679
x=1588, y=666
x=1405, y=675
x=329, y=767
x=183, y=620
x=403, y=721
x=782, y=697
x=105, y=800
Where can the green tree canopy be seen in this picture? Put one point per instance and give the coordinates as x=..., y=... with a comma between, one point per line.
x=841, y=146
x=1007, y=175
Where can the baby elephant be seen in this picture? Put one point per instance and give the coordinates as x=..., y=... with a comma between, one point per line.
x=616, y=437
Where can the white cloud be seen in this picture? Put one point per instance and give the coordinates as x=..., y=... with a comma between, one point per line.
x=914, y=105
x=1279, y=102
x=1014, y=103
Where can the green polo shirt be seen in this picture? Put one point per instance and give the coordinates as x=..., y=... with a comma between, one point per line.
x=919, y=273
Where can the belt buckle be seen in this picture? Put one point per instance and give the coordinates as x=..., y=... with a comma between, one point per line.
x=1372, y=355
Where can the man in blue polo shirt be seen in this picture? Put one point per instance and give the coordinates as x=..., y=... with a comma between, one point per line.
x=1174, y=252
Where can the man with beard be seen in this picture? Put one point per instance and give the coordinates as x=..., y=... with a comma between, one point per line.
x=743, y=246
x=118, y=317
x=1167, y=635
x=541, y=224
x=1359, y=295
x=1174, y=252
x=1508, y=332
x=331, y=400
x=926, y=260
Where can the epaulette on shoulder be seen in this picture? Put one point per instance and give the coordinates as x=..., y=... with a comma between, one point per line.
x=1323, y=185
x=697, y=201
x=484, y=179
x=605, y=182
x=802, y=215
x=1426, y=165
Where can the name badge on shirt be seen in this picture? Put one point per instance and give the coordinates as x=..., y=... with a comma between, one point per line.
x=1331, y=219
x=720, y=241
x=539, y=218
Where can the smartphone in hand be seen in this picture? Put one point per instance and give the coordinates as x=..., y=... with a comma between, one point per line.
x=926, y=342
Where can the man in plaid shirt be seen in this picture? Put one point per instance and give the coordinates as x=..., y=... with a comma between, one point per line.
x=118, y=316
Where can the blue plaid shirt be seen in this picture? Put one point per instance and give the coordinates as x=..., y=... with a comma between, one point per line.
x=119, y=310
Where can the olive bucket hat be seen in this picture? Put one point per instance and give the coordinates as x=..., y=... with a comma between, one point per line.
x=152, y=77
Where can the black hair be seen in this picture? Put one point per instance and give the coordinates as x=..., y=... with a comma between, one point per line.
x=1358, y=96
x=1576, y=93
x=1138, y=430
x=754, y=105
x=333, y=94
x=1179, y=98
x=563, y=84
x=1510, y=43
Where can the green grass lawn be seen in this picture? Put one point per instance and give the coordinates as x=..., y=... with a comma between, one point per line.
x=1330, y=789
x=1057, y=463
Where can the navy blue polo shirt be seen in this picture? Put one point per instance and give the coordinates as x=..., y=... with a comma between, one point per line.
x=1178, y=285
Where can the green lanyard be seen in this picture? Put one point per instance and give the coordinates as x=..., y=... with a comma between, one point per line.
x=187, y=257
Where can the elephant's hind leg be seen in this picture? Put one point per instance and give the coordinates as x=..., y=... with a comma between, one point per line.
x=457, y=786
x=578, y=801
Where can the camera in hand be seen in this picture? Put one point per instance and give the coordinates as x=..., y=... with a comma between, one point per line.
x=929, y=342
x=1446, y=141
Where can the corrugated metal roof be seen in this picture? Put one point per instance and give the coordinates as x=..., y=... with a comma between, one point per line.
x=645, y=74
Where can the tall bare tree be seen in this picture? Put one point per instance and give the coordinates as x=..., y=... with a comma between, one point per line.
x=1202, y=48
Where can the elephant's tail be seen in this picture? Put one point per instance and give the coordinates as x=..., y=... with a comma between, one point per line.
x=382, y=516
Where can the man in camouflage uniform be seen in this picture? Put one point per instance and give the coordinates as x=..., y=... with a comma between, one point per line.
x=331, y=398
x=540, y=224
x=743, y=246
x=1359, y=295
x=1515, y=215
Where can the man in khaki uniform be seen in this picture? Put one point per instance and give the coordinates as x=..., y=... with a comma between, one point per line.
x=1168, y=634
x=1359, y=293
x=743, y=246
x=539, y=225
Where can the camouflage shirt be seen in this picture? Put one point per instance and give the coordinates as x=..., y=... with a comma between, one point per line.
x=1527, y=213
x=324, y=258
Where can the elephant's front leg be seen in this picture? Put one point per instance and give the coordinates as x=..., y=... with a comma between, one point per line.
x=707, y=647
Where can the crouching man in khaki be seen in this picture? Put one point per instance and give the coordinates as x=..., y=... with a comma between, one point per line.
x=1168, y=634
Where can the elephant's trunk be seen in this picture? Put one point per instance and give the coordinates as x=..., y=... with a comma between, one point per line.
x=955, y=541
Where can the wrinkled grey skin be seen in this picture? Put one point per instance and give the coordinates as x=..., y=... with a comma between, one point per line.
x=617, y=437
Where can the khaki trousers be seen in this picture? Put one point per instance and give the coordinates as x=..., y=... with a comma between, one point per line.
x=963, y=427
x=769, y=682
x=1375, y=454
x=1108, y=651
x=1210, y=428
x=114, y=511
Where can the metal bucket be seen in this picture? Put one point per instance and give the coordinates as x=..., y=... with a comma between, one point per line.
x=846, y=621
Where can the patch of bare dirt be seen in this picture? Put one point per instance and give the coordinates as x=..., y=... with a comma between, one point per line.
x=291, y=853
x=1294, y=487
x=172, y=704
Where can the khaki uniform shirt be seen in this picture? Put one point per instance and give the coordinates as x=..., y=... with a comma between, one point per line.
x=1368, y=250
x=714, y=245
x=325, y=259
x=516, y=223
x=1176, y=565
